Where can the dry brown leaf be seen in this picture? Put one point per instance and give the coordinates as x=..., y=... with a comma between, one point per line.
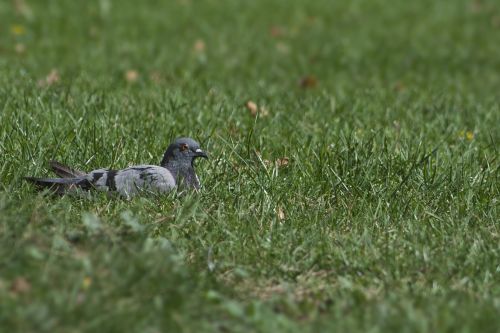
x=52, y=78
x=264, y=112
x=266, y=163
x=256, y=110
x=282, y=162
x=308, y=81
x=476, y=6
x=399, y=86
x=280, y=213
x=20, y=48
x=276, y=31
x=20, y=286
x=23, y=9
x=131, y=76
x=282, y=48
x=252, y=107
x=312, y=19
x=199, y=46
x=495, y=21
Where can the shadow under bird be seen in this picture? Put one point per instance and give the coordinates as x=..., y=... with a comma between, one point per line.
x=176, y=170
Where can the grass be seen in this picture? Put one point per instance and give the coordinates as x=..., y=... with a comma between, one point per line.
x=363, y=197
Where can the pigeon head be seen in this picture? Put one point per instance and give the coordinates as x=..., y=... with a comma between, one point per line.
x=183, y=151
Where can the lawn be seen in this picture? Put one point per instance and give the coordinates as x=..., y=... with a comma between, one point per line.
x=353, y=181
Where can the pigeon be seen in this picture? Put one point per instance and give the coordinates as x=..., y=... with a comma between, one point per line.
x=176, y=170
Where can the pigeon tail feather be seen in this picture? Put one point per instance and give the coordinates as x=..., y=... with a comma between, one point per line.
x=59, y=185
x=65, y=171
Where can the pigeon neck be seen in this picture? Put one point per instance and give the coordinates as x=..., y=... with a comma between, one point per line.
x=183, y=172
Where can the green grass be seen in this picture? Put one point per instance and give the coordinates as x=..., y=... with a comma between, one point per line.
x=385, y=219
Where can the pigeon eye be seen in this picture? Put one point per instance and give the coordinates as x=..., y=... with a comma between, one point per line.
x=183, y=147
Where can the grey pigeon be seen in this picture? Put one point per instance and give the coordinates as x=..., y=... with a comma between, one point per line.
x=176, y=169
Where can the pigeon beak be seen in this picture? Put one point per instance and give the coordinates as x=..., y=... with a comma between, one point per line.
x=200, y=153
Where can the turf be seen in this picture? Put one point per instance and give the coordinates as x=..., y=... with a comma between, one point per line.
x=361, y=195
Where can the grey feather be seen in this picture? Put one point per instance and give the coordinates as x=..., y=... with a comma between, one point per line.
x=59, y=185
x=65, y=171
